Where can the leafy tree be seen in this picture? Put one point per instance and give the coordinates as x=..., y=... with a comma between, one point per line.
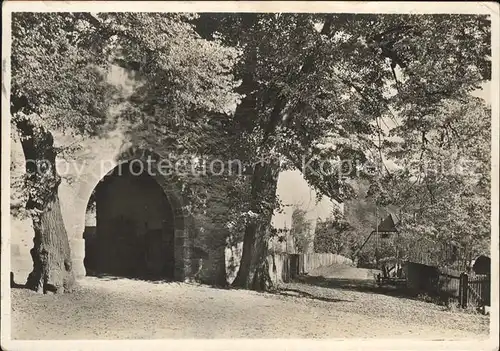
x=316, y=85
x=443, y=184
x=301, y=230
x=57, y=83
x=59, y=64
x=273, y=82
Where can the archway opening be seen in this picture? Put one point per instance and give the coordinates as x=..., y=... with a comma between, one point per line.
x=133, y=230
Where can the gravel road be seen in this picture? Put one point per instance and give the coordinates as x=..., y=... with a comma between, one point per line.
x=105, y=308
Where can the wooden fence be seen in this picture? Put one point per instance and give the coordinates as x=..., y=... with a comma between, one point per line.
x=449, y=283
x=284, y=267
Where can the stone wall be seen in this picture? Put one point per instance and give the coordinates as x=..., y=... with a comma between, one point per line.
x=210, y=248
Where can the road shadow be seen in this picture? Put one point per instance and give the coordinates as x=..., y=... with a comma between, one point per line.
x=111, y=277
x=302, y=294
x=360, y=285
x=154, y=279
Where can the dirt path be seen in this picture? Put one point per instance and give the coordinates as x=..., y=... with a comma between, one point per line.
x=128, y=309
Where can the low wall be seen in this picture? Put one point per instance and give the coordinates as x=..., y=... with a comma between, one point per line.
x=283, y=267
x=308, y=262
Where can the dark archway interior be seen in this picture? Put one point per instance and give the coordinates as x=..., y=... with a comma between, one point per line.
x=134, y=227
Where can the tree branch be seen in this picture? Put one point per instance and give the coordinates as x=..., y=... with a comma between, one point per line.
x=276, y=114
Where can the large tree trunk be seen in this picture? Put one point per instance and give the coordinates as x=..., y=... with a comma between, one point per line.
x=52, y=269
x=254, y=269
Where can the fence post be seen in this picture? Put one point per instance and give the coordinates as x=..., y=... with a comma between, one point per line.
x=463, y=289
x=293, y=265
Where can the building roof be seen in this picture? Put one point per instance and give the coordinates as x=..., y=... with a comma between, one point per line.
x=387, y=225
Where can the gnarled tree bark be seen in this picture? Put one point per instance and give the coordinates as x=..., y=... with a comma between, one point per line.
x=254, y=268
x=52, y=268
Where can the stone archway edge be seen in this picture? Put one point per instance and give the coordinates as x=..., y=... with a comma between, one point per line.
x=183, y=237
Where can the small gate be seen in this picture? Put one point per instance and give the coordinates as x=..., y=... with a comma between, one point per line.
x=475, y=290
x=479, y=290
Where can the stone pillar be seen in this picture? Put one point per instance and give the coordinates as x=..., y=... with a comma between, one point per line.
x=77, y=256
x=179, y=254
x=182, y=255
x=190, y=263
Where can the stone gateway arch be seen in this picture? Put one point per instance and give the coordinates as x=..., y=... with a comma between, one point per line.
x=130, y=223
x=141, y=227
